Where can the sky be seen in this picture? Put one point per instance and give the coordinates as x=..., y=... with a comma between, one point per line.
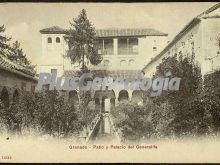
x=23, y=21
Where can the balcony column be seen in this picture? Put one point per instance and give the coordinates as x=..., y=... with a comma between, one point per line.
x=115, y=46
x=103, y=45
x=100, y=104
x=116, y=97
x=140, y=44
x=129, y=95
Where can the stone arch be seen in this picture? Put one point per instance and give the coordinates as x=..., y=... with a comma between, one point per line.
x=137, y=96
x=112, y=99
x=5, y=97
x=106, y=63
x=122, y=63
x=97, y=104
x=101, y=99
x=123, y=95
x=73, y=97
x=15, y=96
x=112, y=102
x=131, y=62
x=97, y=100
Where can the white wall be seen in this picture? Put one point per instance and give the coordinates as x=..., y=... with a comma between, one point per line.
x=211, y=31
x=135, y=61
x=204, y=35
x=52, y=55
x=146, y=48
x=182, y=46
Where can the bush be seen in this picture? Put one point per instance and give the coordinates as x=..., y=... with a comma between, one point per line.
x=191, y=111
x=133, y=120
x=211, y=97
x=46, y=112
x=185, y=110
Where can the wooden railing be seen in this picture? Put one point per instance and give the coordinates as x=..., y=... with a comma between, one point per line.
x=127, y=51
x=106, y=51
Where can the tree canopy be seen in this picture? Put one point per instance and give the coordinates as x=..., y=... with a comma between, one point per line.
x=82, y=42
x=4, y=46
x=12, y=51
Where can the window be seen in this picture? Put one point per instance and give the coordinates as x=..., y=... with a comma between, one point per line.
x=49, y=40
x=100, y=46
x=106, y=62
x=53, y=71
x=128, y=46
x=58, y=40
x=133, y=45
x=131, y=62
x=122, y=63
x=105, y=46
x=122, y=46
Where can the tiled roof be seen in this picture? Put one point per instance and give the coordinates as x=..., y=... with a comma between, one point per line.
x=53, y=29
x=128, y=32
x=110, y=32
x=13, y=67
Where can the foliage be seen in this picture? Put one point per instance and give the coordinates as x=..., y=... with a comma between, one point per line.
x=82, y=49
x=46, y=112
x=211, y=97
x=4, y=46
x=17, y=55
x=82, y=42
x=87, y=115
x=132, y=120
x=185, y=109
x=191, y=111
x=13, y=52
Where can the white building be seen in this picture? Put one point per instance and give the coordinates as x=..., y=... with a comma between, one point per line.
x=200, y=36
x=122, y=49
x=125, y=51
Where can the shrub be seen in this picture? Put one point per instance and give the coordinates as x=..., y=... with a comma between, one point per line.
x=46, y=112
x=184, y=109
x=132, y=120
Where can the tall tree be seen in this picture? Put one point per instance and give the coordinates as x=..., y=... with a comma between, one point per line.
x=3, y=40
x=83, y=49
x=17, y=55
x=13, y=52
x=183, y=111
x=82, y=42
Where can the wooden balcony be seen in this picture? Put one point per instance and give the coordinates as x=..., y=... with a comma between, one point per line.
x=127, y=51
x=106, y=51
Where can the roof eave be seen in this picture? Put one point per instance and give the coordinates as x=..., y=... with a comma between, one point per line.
x=19, y=73
x=53, y=32
x=114, y=36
